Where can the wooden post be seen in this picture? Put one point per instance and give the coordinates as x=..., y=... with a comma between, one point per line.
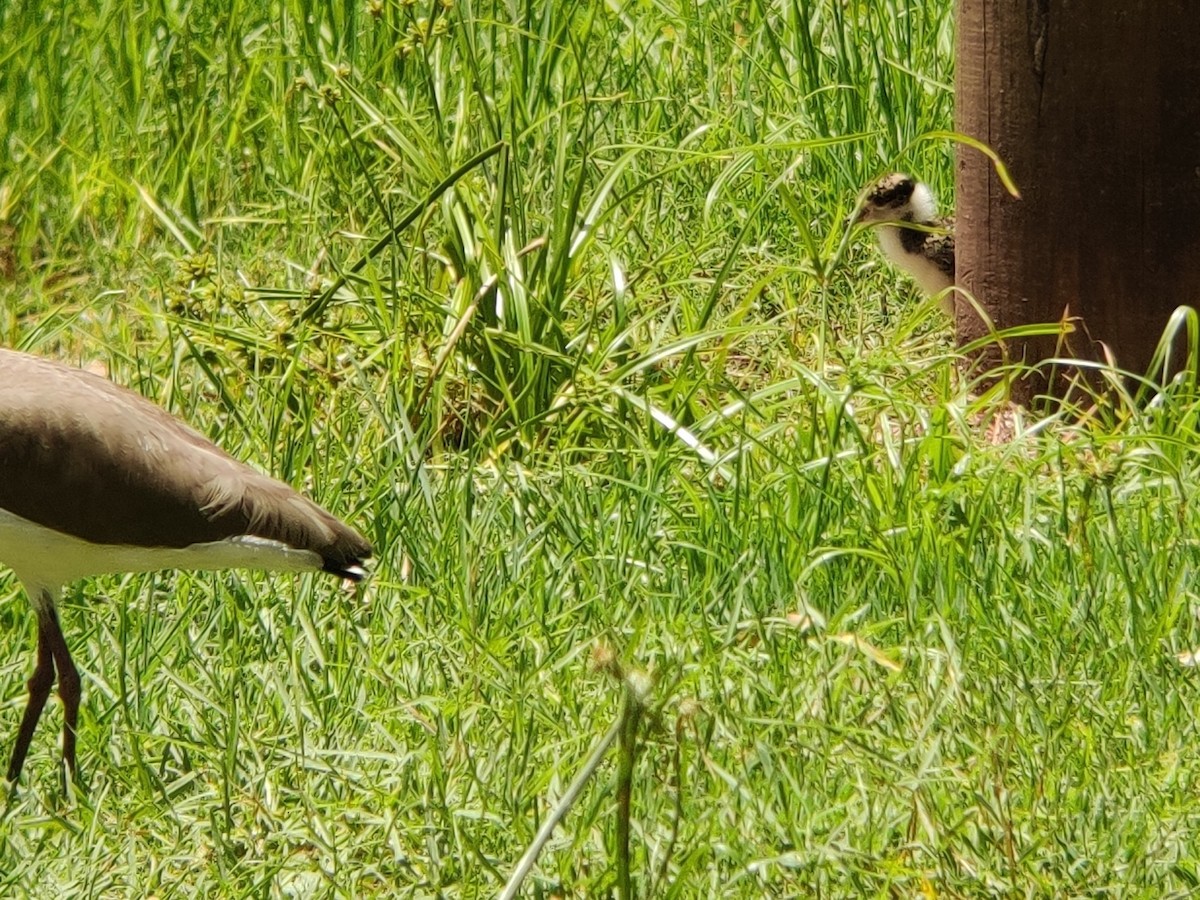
x=1094, y=105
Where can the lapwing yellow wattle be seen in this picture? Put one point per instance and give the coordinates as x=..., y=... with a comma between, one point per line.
x=95, y=479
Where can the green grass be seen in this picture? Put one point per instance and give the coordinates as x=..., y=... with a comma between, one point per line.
x=555, y=301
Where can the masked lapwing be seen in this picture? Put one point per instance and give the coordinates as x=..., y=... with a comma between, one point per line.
x=95, y=479
x=913, y=237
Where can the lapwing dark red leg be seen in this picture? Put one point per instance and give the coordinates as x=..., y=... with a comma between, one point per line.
x=68, y=690
x=39, y=685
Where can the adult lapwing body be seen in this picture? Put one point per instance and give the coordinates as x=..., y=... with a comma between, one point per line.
x=95, y=479
x=911, y=234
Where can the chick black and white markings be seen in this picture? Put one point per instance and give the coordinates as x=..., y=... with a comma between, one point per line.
x=894, y=206
x=95, y=479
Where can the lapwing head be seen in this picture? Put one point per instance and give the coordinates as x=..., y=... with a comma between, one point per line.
x=896, y=198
